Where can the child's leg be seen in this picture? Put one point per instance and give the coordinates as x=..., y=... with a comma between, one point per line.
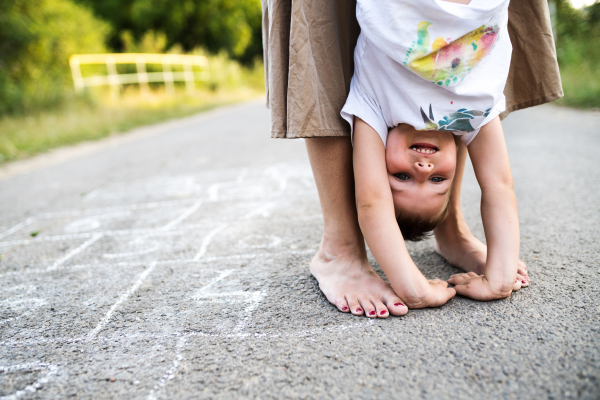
x=453, y=238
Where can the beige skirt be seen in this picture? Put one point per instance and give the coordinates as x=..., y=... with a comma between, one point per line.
x=309, y=53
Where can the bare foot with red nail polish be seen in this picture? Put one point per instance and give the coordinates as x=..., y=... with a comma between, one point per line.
x=348, y=281
x=457, y=245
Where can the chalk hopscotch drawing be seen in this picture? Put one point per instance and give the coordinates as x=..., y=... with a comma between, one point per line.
x=214, y=211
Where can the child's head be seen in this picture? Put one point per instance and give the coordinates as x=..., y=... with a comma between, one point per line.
x=421, y=166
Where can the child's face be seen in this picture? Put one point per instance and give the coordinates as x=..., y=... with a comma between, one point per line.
x=421, y=167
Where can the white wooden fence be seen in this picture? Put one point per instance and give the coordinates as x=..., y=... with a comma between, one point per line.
x=142, y=77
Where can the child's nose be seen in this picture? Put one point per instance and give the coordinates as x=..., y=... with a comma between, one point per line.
x=424, y=166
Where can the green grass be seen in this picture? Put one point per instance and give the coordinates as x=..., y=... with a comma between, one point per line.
x=24, y=136
x=98, y=114
x=579, y=61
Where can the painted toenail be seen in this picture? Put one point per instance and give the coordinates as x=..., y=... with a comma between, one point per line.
x=345, y=309
x=359, y=310
x=398, y=304
x=382, y=312
x=523, y=281
x=372, y=313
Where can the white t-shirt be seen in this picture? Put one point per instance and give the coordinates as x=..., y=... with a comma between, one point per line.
x=431, y=64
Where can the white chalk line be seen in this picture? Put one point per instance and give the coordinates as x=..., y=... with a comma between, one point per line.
x=253, y=298
x=163, y=262
x=155, y=231
x=271, y=171
x=155, y=245
x=165, y=203
x=17, y=227
x=93, y=222
x=206, y=242
x=121, y=299
x=262, y=211
x=32, y=388
x=152, y=248
x=222, y=275
x=170, y=374
x=183, y=216
x=120, y=338
x=76, y=251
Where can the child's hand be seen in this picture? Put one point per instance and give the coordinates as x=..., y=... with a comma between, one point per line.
x=477, y=287
x=438, y=294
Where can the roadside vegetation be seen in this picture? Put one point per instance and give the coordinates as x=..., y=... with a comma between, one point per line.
x=578, y=51
x=40, y=110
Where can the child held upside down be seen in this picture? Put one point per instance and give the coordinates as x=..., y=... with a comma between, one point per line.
x=428, y=80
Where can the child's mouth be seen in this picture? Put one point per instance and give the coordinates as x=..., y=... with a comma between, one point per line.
x=424, y=148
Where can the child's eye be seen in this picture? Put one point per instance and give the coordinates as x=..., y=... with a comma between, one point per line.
x=436, y=179
x=402, y=177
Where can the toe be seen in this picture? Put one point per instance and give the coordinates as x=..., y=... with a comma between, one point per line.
x=354, y=306
x=523, y=279
x=381, y=310
x=396, y=306
x=342, y=305
x=369, y=308
x=522, y=268
x=517, y=285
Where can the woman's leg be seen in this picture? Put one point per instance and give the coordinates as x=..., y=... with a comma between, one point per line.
x=453, y=238
x=340, y=265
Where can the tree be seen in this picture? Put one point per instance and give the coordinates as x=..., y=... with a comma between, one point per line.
x=37, y=37
x=233, y=25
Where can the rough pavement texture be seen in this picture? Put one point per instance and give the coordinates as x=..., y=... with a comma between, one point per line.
x=176, y=266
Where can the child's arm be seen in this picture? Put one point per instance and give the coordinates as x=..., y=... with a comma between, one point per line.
x=500, y=218
x=378, y=224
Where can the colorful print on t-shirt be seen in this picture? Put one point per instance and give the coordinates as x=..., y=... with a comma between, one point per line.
x=447, y=62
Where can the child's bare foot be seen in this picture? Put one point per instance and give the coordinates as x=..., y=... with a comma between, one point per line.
x=477, y=287
x=349, y=283
x=461, y=249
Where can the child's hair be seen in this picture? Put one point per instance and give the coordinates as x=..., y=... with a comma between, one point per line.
x=416, y=228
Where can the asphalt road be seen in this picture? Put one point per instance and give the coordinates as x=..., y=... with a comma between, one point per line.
x=174, y=264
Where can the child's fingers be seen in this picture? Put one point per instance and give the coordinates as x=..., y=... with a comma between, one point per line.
x=462, y=290
x=450, y=293
x=460, y=279
x=443, y=292
x=439, y=282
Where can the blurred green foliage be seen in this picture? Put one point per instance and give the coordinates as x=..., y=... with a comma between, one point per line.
x=578, y=51
x=37, y=37
x=230, y=25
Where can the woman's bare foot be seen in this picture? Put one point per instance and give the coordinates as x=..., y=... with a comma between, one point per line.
x=347, y=280
x=460, y=248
